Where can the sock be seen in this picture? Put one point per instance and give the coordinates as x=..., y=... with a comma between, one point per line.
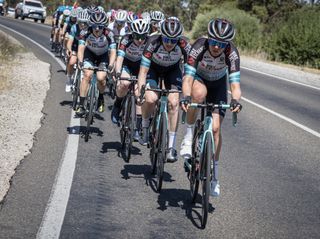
x=82, y=99
x=215, y=170
x=172, y=140
x=145, y=122
x=189, y=131
x=118, y=102
x=138, y=122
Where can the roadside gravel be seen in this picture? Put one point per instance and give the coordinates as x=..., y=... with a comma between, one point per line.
x=20, y=112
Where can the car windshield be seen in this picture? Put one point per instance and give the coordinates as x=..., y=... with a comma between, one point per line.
x=33, y=4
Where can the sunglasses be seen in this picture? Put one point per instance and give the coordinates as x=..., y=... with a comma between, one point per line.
x=168, y=40
x=220, y=44
x=121, y=23
x=100, y=27
x=139, y=36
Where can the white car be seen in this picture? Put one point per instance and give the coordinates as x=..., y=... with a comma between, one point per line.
x=10, y=12
x=31, y=9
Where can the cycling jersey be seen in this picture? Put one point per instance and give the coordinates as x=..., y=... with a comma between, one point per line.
x=162, y=63
x=132, y=54
x=75, y=35
x=69, y=24
x=202, y=64
x=113, y=27
x=97, y=45
x=156, y=55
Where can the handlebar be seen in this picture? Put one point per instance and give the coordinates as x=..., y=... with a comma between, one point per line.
x=212, y=106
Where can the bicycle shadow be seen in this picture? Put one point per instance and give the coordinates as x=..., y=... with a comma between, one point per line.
x=116, y=146
x=143, y=171
x=181, y=198
x=66, y=102
x=81, y=130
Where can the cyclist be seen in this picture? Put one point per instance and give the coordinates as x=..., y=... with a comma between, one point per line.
x=119, y=25
x=212, y=60
x=73, y=42
x=128, y=63
x=155, y=20
x=57, y=17
x=94, y=45
x=161, y=58
x=130, y=18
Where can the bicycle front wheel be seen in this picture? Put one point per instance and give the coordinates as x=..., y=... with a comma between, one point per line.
x=90, y=109
x=127, y=130
x=205, y=168
x=76, y=89
x=162, y=146
x=195, y=170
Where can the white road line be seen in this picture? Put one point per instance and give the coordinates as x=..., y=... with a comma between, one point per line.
x=281, y=78
x=291, y=121
x=56, y=208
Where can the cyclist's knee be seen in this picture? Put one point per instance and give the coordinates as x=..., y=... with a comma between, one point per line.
x=150, y=98
x=173, y=104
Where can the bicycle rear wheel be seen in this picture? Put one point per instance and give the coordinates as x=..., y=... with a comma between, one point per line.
x=194, y=174
x=162, y=145
x=90, y=109
x=206, y=167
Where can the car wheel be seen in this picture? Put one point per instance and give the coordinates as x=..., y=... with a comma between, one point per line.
x=42, y=21
x=35, y=20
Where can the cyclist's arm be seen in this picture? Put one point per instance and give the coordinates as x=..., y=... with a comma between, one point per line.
x=235, y=91
x=69, y=44
x=81, y=49
x=187, y=85
x=119, y=63
x=142, y=76
x=113, y=55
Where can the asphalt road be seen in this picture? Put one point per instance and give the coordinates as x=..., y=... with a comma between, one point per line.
x=269, y=171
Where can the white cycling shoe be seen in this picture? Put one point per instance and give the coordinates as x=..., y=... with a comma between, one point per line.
x=214, y=188
x=186, y=148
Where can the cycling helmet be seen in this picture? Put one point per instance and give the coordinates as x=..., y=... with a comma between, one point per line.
x=156, y=16
x=146, y=16
x=83, y=16
x=221, y=29
x=174, y=18
x=131, y=18
x=74, y=13
x=121, y=16
x=92, y=9
x=100, y=8
x=140, y=26
x=171, y=28
x=66, y=12
x=98, y=18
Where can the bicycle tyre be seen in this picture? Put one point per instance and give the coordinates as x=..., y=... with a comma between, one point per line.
x=161, y=157
x=206, y=168
x=194, y=174
x=90, y=112
x=76, y=89
x=127, y=139
x=154, y=145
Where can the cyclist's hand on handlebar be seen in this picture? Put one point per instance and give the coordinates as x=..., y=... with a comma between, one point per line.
x=80, y=65
x=235, y=106
x=184, y=103
x=110, y=69
x=118, y=75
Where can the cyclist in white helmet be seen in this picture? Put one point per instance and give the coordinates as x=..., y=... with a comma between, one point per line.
x=118, y=27
x=128, y=63
x=155, y=19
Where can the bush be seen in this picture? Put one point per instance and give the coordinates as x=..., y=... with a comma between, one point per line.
x=7, y=49
x=297, y=40
x=248, y=30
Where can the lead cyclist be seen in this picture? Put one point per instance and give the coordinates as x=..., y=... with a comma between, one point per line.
x=211, y=62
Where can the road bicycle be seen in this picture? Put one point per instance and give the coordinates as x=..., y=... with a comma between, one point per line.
x=200, y=166
x=91, y=100
x=75, y=88
x=128, y=118
x=159, y=133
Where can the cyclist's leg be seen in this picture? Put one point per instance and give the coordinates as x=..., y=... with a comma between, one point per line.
x=218, y=94
x=198, y=95
x=149, y=105
x=173, y=81
x=87, y=74
x=102, y=62
x=121, y=91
